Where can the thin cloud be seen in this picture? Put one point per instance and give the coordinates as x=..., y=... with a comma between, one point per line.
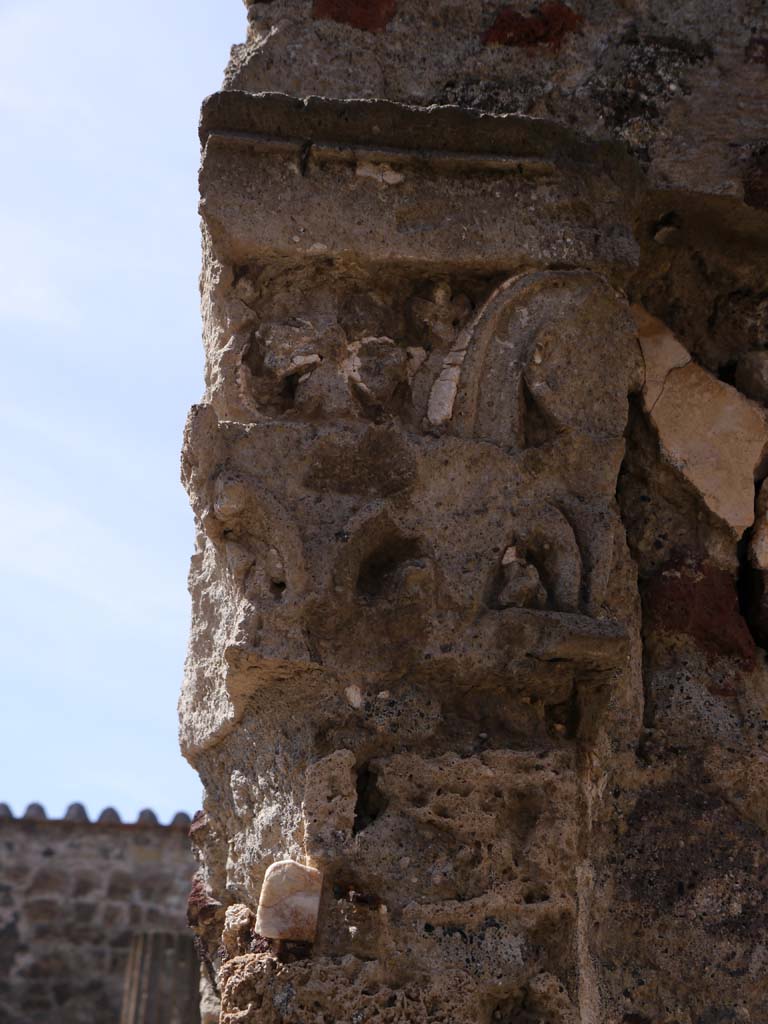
x=63, y=547
x=79, y=442
x=34, y=289
x=25, y=34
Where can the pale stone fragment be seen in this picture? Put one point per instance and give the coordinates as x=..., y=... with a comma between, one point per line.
x=443, y=395
x=716, y=438
x=379, y=172
x=509, y=556
x=303, y=362
x=290, y=902
x=707, y=430
x=354, y=696
x=662, y=353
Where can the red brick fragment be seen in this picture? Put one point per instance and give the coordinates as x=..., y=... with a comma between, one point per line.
x=546, y=25
x=700, y=601
x=756, y=181
x=757, y=50
x=201, y=906
x=368, y=15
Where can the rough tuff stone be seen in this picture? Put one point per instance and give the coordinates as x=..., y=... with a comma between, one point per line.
x=239, y=924
x=707, y=430
x=682, y=85
x=758, y=545
x=752, y=376
x=471, y=606
x=406, y=624
x=539, y=173
x=289, y=902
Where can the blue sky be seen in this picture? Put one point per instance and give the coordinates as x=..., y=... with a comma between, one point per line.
x=101, y=354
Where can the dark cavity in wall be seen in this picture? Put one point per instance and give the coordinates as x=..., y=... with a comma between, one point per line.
x=752, y=592
x=371, y=802
x=378, y=573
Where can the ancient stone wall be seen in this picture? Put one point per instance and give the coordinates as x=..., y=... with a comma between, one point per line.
x=479, y=594
x=73, y=893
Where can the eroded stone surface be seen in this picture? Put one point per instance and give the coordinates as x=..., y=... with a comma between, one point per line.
x=239, y=925
x=683, y=86
x=758, y=546
x=470, y=607
x=752, y=375
x=407, y=622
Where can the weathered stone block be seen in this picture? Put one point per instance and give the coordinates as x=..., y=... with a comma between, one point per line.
x=289, y=902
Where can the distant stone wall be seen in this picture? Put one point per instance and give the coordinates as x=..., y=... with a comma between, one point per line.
x=72, y=895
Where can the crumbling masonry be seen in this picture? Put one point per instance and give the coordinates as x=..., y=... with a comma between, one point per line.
x=476, y=682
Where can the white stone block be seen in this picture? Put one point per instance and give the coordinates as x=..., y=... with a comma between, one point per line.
x=290, y=902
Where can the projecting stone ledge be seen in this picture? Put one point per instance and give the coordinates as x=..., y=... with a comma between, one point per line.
x=714, y=436
x=383, y=182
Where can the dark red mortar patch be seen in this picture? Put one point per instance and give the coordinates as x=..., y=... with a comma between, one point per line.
x=757, y=50
x=201, y=906
x=756, y=181
x=700, y=601
x=199, y=822
x=368, y=15
x=547, y=25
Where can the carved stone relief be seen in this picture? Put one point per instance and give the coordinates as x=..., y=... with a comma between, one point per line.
x=414, y=607
x=440, y=461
